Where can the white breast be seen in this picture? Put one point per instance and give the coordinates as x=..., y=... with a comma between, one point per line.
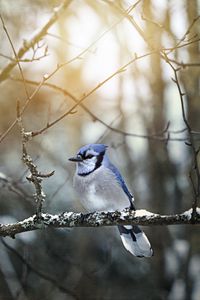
x=100, y=191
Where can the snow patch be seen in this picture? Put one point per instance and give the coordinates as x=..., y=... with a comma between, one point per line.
x=143, y=213
x=25, y=223
x=3, y=176
x=138, y=213
x=188, y=213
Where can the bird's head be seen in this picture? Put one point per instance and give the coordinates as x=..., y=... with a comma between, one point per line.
x=89, y=158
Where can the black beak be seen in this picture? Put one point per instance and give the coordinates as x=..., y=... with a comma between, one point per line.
x=76, y=158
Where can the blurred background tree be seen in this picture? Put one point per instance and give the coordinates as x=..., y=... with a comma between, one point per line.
x=135, y=109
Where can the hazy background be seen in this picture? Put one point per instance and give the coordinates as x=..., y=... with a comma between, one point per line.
x=92, y=263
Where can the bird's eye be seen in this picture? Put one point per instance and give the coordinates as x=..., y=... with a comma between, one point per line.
x=89, y=156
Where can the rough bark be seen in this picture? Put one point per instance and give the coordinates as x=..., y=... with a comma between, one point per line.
x=97, y=219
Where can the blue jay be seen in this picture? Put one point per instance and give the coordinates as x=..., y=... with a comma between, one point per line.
x=101, y=187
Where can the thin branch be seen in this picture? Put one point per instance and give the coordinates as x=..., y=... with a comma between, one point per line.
x=25, y=60
x=95, y=41
x=16, y=58
x=13, y=186
x=130, y=18
x=191, y=142
x=5, y=73
x=38, y=272
x=141, y=32
x=187, y=32
x=35, y=176
x=98, y=219
x=27, y=102
x=185, y=65
x=160, y=136
x=38, y=36
x=58, y=37
x=151, y=21
x=28, y=98
x=188, y=43
x=58, y=67
x=125, y=13
x=120, y=70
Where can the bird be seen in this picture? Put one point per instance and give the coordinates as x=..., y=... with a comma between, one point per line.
x=102, y=188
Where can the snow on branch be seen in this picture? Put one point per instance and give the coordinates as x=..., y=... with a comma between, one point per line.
x=98, y=219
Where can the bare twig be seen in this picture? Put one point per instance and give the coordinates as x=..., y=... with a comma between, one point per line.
x=58, y=67
x=38, y=36
x=95, y=41
x=186, y=33
x=28, y=100
x=25, y=60
x=125, y=13
x=13, y=186
x=71, y=110
x=16, y=57
x=61, y=65
x=38, y=272
x=130, y=18
x=35, y=177
x=188, y=43
x=160, y=136
x=191, y=142
x=185, y=65
x=146, y=39
x=28, y=97
x=151, y=21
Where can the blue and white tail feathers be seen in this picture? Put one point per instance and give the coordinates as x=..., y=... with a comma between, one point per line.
x=135, y=241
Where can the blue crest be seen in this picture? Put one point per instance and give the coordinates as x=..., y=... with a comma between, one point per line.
x=99, y=148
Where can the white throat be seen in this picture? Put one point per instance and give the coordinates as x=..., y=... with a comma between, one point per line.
x=86, y=167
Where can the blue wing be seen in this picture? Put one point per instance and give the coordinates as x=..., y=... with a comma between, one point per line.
x=121, y=181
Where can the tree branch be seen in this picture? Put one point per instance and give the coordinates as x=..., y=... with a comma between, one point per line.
x=41, y=274
x=35, y=176
x=86, y=95
x=161, y=136
x=196, y=181
x=98, y=219
x=38, y=36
